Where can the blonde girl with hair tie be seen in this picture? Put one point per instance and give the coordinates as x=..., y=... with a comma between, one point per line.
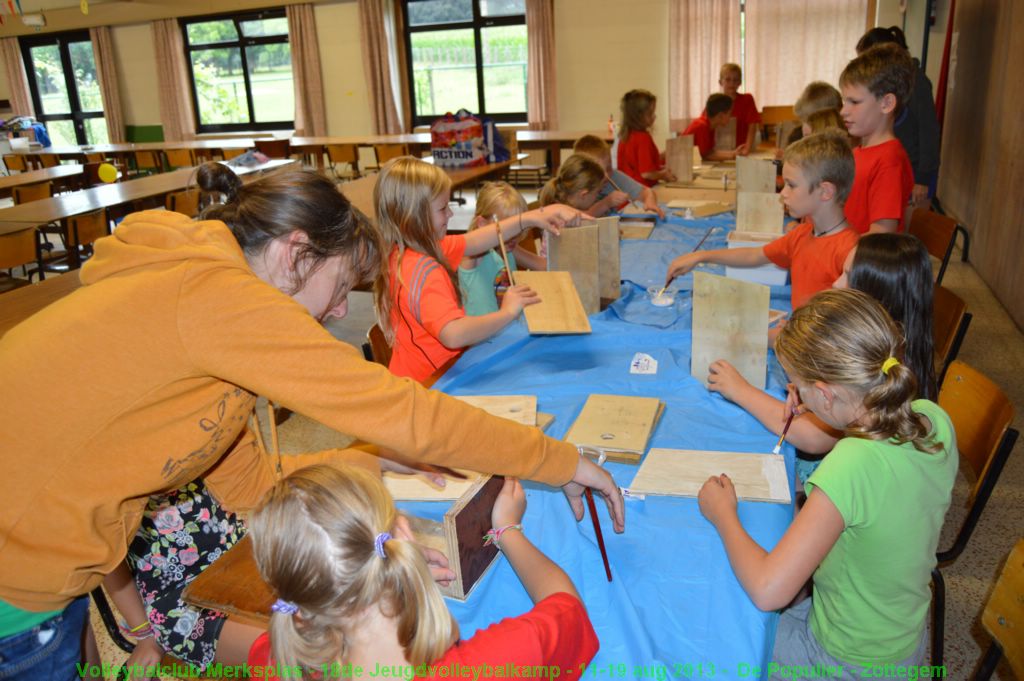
x=870, y=527
x=354, y=589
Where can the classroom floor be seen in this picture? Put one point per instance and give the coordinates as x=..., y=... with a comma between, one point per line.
x=993, y=344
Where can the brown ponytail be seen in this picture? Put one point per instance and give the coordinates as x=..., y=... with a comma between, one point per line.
x=845, y=337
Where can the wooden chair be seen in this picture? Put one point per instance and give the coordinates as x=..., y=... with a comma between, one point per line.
x=148, y=162
x=1003, y=618
x=385, y=152
x=185, y=202
x=273, y=148
x=83, y=231
x=950, y=320
x=981, y=414
x=49, y=160
x=344, y=153
x=938, y=233
x=228, y=153
x=17, y=249
x=94, y=157
x=37, y=191
x=773, y=120
x=15, y=162
x=523, y=172
x=180, y=158
x=376, y=348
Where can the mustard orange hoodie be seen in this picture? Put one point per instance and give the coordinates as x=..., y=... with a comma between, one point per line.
x=142, y=380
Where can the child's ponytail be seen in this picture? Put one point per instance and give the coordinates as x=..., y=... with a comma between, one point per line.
x=845, y=337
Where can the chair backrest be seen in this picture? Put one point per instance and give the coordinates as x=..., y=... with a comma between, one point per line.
x=228, y=153
x=148, y=160
x=88, y=227
x=49, y=160
x=185, y=202
x=273, y=148
x=94, y=157
x=343, y=153
x=981, y=414
x=31, y=192
x=17, y=248
x=180, y=158
x=937, y=233
x=15, y=162
x=1003, y=617
x=386, y=152
x=379, y=347
x=950, y=320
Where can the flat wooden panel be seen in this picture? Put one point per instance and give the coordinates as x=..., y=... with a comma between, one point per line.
x=1004, y=613
x=682, y=472
x=575, y=251
x=608, y=269
x=759, y=212
x=725, y=136
x=679, y=157
x=560, y=309
x=665, y=193
x=635, y=229
x=981, y=172
x=696, y=208
x=755, y=175
x=232, y=585
x=416, y=488
x=465, y=525
x=519, y=408
x=616, y=424
x=730, y=322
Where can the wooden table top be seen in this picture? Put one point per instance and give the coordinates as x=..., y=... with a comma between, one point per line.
x=55, y=173
x=29, y=215
x=18, y=305
x=562, y=136
x=130, y=147
x=412, y=138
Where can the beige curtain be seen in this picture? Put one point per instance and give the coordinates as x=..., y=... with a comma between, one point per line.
x=541, y=90
x=173, y=82
x=790, y=43
x=106, y=70
x=384, y=65
x=703, y=35
x=310, y=110
x=14, y=68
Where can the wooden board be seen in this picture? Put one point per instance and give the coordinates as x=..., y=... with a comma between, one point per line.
x=416, y=488
x=1003, y=616
x=682, y=472
x=755, y=175
x=679, y=157
x=665, y=193
x=465, y=524
x=730, y=322
x=725, y=136
x=619, y=425
x=544, y=420
x=695, y=208
x=635, y=229
x=608, y=266
x=759, y=212
x=576, y=251
x=519, y=408
x=560, y=309
x=632, y=212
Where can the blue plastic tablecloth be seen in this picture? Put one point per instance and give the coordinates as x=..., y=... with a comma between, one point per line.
x=674, y=607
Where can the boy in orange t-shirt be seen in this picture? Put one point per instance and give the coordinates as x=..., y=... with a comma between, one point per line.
x=817, y=172
x=875, y=89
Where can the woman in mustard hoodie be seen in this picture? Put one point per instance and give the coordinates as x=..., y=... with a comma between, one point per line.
x=177, y=327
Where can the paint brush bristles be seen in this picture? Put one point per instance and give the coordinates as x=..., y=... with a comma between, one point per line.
x=782, y=438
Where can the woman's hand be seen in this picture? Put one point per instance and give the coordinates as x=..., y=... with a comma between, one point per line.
x=589, y=474
x=650, y=202
x=432, y=476
x=147, y=655
x=552, y=218
x=517, y=297
x=510, y=505
x=724, y=379
x=717, y=498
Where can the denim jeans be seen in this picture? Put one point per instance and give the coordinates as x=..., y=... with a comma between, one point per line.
x=49, y=650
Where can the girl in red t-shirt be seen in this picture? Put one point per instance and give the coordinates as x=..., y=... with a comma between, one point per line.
x=638, y=155
x=355, y=591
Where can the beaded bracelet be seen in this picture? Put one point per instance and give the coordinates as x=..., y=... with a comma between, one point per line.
x=144, y=630
x=493, y=536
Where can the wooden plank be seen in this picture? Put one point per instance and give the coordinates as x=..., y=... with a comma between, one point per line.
x=560, y=309
x=544, y=420
x=519, y=408
x=665, y=193
x=755, y=175
x=465, y=524
x=575, y=251
x=679, y=157
x=725, y=136
x=405, y=487
x=759, y=212
x=694, y=208
x=609, y=264
x=682, y=472
x=635, y=229
x=619, y=425
x=730, y=322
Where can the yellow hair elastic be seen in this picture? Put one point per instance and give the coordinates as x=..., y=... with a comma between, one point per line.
x=889, y=364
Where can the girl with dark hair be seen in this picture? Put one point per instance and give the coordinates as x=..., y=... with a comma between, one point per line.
x=917, y=127
x=875, y=506
x=183, y=324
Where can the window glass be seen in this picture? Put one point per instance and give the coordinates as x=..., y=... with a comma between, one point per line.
x=444, y=71
x=270, y=76
x=212, y=32
x=502, y=8
x=83, y=63
x=49, y=72
x=220, y=86
x=504, y=57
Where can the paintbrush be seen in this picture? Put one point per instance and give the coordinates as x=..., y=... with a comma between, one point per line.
x=597, y=532
x=633, y=202
x=504, y=253
x=782, y=438
x=695, y=249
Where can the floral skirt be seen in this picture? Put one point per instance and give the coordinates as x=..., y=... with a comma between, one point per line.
x=182, y=534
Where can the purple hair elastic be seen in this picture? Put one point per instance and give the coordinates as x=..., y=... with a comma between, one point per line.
x=284, y=607
x=378, y=544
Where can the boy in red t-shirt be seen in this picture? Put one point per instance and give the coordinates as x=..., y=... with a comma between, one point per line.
x=744, y=109
x=716, y=114
x=817, y=172
x=875, y=89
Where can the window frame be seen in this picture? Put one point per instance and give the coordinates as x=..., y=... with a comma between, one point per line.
x=62, y=40
x=477, y=24
x=241, y=43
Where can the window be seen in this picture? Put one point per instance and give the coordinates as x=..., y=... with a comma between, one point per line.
x=61, y=72
x=466, y=54
x=241, y=68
